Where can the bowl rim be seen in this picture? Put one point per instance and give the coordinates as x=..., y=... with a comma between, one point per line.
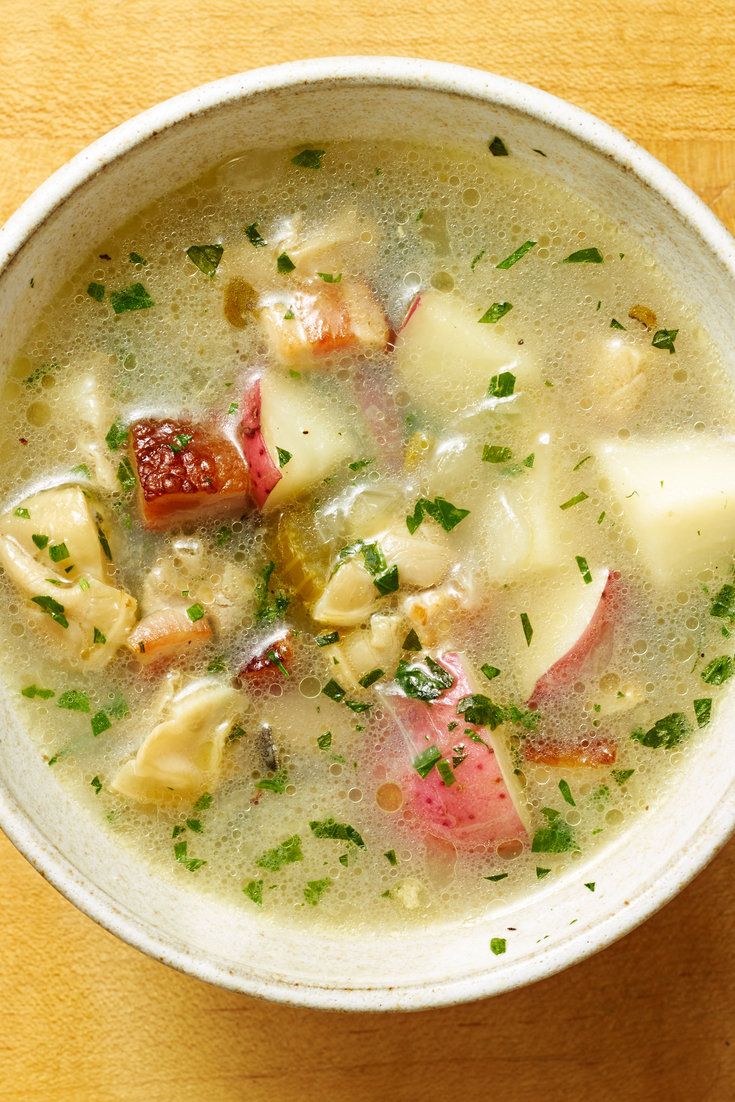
x=442, y=78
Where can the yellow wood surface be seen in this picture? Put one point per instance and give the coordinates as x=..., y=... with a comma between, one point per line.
x=87, y=1019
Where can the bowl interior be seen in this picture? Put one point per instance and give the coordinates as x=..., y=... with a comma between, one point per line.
x=330, y=101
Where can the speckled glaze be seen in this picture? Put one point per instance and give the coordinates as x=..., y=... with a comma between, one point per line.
x=330, y=99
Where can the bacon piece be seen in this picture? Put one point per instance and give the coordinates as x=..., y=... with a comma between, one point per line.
x=165, y=632
x=479, y=806
x=186, y=470
x=590, y=751
x=266, y=664
x=327, y=318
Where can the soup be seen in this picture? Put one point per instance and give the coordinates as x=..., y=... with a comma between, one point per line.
x=366, y=545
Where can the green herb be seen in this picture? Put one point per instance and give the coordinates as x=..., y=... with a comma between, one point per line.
x=287, y=853
x=100, y=722
x=718, y=670
x=233, y=408
x=426, y=682
x=52, y=608
x=136, y=258
x=494, y=453
x=481, y=710
x=541, y=873
x=195, y=825
x=126, y=475
x=254, y=891
x=497, y=147
x=58, y=552
x=181, y=441
x=576, y=500
x=412, y=642
x=703, y=711
x=388, y=582
x=601, y=517
x=490, y=672
x=527, y=629
x=664, y=338
x=477, y=260
x=566, y=793
x=582, y=461
x=340, y=832
x=117, y=435
x=22, y=512
x=308, y=158
x=555, y=837
x=424, y=762
x=269, y=607
x=285, y=264
x=315, y=889
x=502, y=385
x=358, y=706
x=440, y=510
x=496, y=877
x=444, y=770
x=622, y=775
x=370, y=678
x=205, y=257
x=328, y=277
x=327, y=640
x=359, y=464
x=195, y=612
x=324, y=741
x=667, y=732
x=723, y=605
x=40, y=373
x=390, y=857
x=34, y=692
x=40, y=541
x=516, y=256
x=204, y=802
x=178, y=829
x=583, y=568
x=277, y=783
x=82, y=469
x=615, y=324
x=134, y=297
x=217, y=665
x=190, y=863
x=96, y=291
x=497, y=946
x=334, y=691
x=495, y=312
x=253, y=236
x=283, y=456
x=99, y=637
x=584, y=256
x=590, y=886
x=96, y=784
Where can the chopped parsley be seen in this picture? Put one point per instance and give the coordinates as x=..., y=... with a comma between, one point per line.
x=195, y=612
x=276, y=783
x=723, y=604
x=495, y=312
x=40, y=541
x=99, y=637
x=283, y=456
x=490, y=672
x=324, y=741
x=119, y=709
x=254, y=237
x=388, y=582
x=502, y=385
x=339, y=832
x=52, y=608
x=514, y=257
x=576, y=500
x=703, y=711
x=620, y=776
x=315, y=889
x=233, y=408
x=476, y=260
x=330, y=277
x=583, y=568
x=205, y=257
x=134, y=297
x=495, y=453
x=96, y=784
x=555, y=837
x=664, y=338
x=666, y=732
x=254, y=891
x=117, y=435
x=136, y=258
x=224, y=535
x=96, y=291
x=527, y=628
x=444, y=770
x=370, y=678
x=584, y=256
x=285, y=264
x=496, y=877
x=590, y=886
x=126, y=475
x=718, y=670
x=497, y=946
x=334, y=691
x=181, y=855
x=181, y=441
x=327, y=639
x=497, y=147
x=22, y=512
x=287, y=853
x=566, y=793
x=423, y=682
x=359, y=464
x=58, y=552
x=615, y=324
x=308, y=158
x=440, y=510
x=424, y=762
x=481, y=710
x=390, y=857
x=204, y=802
x=35, y=692
x=100, y=722
x=270, y=606
x=412, y=642
x=541, y=873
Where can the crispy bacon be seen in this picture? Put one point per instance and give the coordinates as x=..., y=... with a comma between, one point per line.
x=185, y=470
x=269, y=663
x=165, y=632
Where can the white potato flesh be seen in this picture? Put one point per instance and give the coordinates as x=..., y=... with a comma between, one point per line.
x=446, y=358
x=378, y=646
x=182, y=756
x=295, y=419
x=97, y=606
x=65, y=515
x=677, y=497
x=560, y=611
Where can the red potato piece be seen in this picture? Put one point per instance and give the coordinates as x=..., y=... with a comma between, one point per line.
x=265, y=665
x=166, y=632
x=479, y=807
x=186, y=470
x=327, y=318
x=264, y=471
x=592, y=751
x=596, y=634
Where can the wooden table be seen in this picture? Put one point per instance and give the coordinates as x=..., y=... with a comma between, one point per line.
x=87, y=1019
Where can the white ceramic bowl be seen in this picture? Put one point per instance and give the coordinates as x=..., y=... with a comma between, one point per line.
x=327, y=100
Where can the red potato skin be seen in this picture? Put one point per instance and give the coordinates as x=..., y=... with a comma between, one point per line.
x=592, y=751
x=263, y=667
x=413, y=307
x=478, y=808
x=599, y=631
x=264, y=471
x=207, y=476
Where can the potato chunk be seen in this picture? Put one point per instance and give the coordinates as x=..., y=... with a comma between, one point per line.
x=186, y=470
x=182, y=756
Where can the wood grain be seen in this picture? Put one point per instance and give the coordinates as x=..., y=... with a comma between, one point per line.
x=85, y=1018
